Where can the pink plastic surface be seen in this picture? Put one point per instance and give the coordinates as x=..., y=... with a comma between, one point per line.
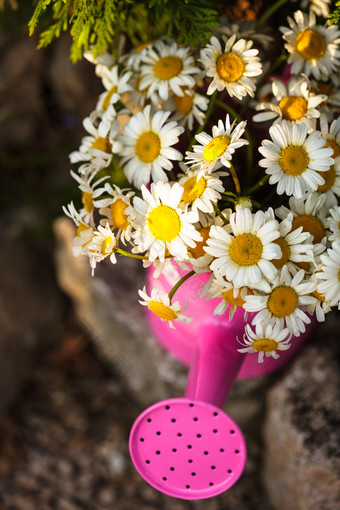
x=187, y=449
x=182, y=341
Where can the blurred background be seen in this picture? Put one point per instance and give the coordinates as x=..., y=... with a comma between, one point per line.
x=77, y=361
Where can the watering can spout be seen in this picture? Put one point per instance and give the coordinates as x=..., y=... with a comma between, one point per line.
x=214, y=366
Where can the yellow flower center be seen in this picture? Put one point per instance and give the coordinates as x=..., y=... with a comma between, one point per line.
x=193, y=189
x=293, y=107
x=229, y=67
x=167, y=67
x=265, y=344
x=102, y=144
x=184, y=103
x=106, y=102
x=310, y=44
x=246, y=249
x=282, y=301
x=216, y=147
x=293, y=160
x=310, y=224
x=278, y=263
x=164, y=223
x=198, y=251
x=333, y=145
x=318, y=296
x=87, y=201
x=105, y=245
x=118, y=216
x=148, y=147
x=329, y=177
x=238, y=301
x=162, y=311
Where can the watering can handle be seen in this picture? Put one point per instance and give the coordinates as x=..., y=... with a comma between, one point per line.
x=215, y=365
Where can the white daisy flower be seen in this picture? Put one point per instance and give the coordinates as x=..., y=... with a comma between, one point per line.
x=162, y=225
x=139, y=97
x=330, y=271
x=294, y=244
x=116, y=211
x=308, y=213
x=218, y=149
x=166, y=66
x=334, y=224
x=201, y=190
x=266, y=340
x=233, y=297
x=243, y=256
x=147, y=147
x=283, y=301
x=234, y=68
x=331, y=133
x=116, y=84
x=293, y=102
x=90, y=193
x=162, y=307
x=104, y=244
x=188, y=107
x=294, y=160
x=84, y=231
x=101, y=141
x=320, y=7
x=320, y=307
x=314, y=49
x=244, y=31
x=332, y=92
x=134, y=58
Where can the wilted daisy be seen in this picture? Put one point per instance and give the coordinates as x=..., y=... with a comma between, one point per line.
x=201, y=190
x=266, y=340
x=293, y=102
x=166, y=66
x=334, y=224
x=104, y=244
x=116, y=84
x=161, y=225
x=308, y=213
x=330, y=274
x=294, y=244
x=84, y=231
x=102, y=140
x=233, y=297
x=148, y=147
x=188, y=107
x=218, y=149
x=283, y=301
x=314, y=49
x=116, y=211
x=161, y=306
x=90, y=192
x=294, y=160
x=243, y=256
x=232, y=69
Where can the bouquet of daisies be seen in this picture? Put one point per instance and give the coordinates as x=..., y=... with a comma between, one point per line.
x=222, y=159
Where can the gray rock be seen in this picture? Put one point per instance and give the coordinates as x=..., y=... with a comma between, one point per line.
x=302, y=432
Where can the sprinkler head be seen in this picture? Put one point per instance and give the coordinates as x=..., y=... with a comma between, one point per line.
x=187, y=449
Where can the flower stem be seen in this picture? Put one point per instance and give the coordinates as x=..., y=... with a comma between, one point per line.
x=179, y=283
x=131, y=255
x=257, y=186
x=235, y=179
x=268, y=13
x=220, y=214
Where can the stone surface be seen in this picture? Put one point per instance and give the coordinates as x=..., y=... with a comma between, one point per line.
x=302, y=432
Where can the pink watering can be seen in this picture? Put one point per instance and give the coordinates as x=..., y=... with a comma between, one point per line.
x=188, y=447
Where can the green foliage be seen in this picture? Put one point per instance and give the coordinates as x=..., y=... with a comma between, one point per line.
x=97, y=24
x=334, y=17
